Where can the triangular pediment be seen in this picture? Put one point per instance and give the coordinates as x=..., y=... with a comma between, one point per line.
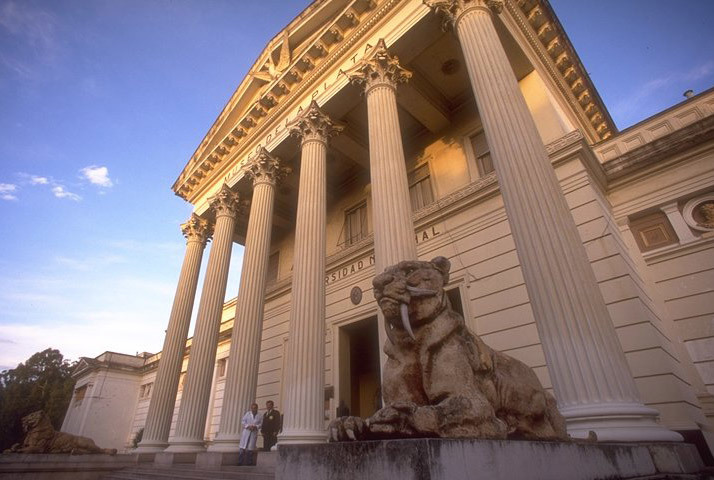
x=282, y=64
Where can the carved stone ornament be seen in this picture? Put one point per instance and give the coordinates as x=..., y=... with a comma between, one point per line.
x=41, y=437
x=378, y=67
x=452, y=10
x=265, y=168
x=314, y=124
x=225, y=202
x=196, y=229
x=699, y=213
x=440, y=379
x=356, y=295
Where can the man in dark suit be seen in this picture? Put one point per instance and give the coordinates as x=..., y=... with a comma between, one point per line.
x=272, y=425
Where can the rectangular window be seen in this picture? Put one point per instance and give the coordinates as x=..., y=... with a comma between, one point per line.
x=79, y=395
x=482, y=154
x=420, y=192
x=221, y=367
x=145, y=390
x=273, y=264
x=355, y=224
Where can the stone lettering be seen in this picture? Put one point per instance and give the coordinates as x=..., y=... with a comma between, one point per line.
x=349, y=270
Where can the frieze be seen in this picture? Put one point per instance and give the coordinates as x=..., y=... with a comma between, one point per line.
x=337, y=274
x=284, y=125
x=183, y=187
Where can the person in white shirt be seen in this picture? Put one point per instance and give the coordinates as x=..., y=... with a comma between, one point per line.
x=252, y=421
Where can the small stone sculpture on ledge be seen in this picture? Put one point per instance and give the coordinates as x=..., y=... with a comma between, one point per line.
x=441, y=380
x=41, y=437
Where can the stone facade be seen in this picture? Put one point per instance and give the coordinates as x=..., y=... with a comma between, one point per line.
x=623, y=215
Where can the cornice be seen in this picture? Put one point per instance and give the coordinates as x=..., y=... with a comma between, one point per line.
x=326, y=47
x=655, y=152
x=545, y=34
x=534, y=18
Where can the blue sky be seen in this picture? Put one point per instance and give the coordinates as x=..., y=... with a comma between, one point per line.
x=103, y=102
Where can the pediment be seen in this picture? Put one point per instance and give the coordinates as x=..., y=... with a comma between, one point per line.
x=319, y=38
x=283, y=63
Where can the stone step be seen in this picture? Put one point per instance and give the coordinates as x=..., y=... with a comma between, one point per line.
x=188, y=472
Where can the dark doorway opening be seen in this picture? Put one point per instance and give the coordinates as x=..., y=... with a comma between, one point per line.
x=359, y=367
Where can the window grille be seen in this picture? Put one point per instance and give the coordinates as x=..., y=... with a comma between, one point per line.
x=355, y=224
x=420, y=193
x=273, y=264
x=482, y=153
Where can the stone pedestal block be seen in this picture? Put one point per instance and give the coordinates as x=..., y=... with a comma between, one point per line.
x=456, y=459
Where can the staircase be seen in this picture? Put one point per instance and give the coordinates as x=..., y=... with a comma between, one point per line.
x=188, y=472
x=265, y=470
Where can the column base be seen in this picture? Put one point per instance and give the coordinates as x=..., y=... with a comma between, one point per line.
x=186, y=445
x=151, y=446
x=224, y=443
x=301, y=437
x=617, y=423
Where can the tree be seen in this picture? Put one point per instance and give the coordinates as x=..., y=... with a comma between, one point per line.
x=43, y=382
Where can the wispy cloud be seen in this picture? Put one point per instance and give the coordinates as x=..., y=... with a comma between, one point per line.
x=634, y=104
x=33, y=34
x=60, y=192
x=7, y=191
x=89, y=263
x=97, y=176
x=35, y=180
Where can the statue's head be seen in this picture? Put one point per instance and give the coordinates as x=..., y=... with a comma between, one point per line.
x=411, y=293
x=34, y=419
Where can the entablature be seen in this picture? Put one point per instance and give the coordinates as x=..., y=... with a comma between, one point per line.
x=547, y=37
x=655, y=128
x=289, y=80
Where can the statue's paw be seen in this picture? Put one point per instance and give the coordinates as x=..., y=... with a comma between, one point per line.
x=393, y=420
x=345, y=429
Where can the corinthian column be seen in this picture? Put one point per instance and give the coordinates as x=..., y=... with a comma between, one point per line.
x=191, y=421
x=244, y=356
x=163, y=399
x=591, y=379
x=305, y=376
x=379, y=74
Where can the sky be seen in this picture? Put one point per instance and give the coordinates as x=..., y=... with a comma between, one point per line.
x=102, y=103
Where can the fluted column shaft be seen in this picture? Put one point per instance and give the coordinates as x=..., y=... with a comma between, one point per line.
x=380, y=73
x=393, y=226
x=163, y=398
x=191, y=422
x=305, y=377
x=244, y=356
x=303, y=405
x=591, y=378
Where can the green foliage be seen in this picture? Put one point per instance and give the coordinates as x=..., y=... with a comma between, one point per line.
x=137, y=438
x=43, y=382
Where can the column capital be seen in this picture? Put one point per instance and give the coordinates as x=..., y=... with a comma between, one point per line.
x=314, y=124
x=226, y=202
x=378, y=67
x=197, y=229
x=265, y=168
x=452, y=10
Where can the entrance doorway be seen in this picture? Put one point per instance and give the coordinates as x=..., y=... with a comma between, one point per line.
x=359, y=368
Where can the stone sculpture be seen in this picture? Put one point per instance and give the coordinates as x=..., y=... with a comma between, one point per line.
x=441, y=380
x=41, y=437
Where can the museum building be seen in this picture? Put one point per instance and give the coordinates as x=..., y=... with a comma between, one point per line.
x=369, y=132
